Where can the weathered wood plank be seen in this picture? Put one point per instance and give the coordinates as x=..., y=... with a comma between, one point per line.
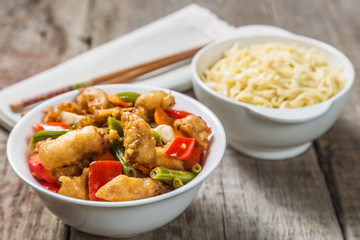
x=116, y=18
x=42, y=34
x=284, y=199
x=338, y=25
x=244, y=198
x=339, y=148
x=37, y=35
x=244, y=12
x=264, y=196
x=22, y=215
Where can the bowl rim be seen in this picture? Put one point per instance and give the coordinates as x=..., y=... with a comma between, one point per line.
x=198, y=180
x=288, y=36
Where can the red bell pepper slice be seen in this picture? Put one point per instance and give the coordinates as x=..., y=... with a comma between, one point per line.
x=180, y=147
x=194, y=159
x=100, y=173
x=177, y=113
x=51, y=186
x=39, y=171
x=51, y=126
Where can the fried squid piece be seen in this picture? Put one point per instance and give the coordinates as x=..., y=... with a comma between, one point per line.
x=51, y=115
x=76, y=187
x=167, y=161
x=101, y=115
x=152, y=99
x=140, y=111
x=139, y=141
x=124, y=188
x=195, y=127
x=84, y=122
x=90, y=99
x=69, y=107
x=54, y=115
x=71, y=147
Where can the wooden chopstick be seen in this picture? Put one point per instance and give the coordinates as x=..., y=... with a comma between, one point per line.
x=121, y=76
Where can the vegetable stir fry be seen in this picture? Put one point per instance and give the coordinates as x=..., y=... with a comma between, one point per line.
x=121, y=147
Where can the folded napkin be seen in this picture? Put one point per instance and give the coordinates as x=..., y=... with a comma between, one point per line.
x=186, y=28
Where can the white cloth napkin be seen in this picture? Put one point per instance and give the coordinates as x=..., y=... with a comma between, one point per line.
x=186, y=28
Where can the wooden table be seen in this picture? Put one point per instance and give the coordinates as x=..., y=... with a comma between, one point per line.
x=312, y=196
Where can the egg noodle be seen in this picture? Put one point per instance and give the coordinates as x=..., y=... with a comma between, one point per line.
x=274, y=75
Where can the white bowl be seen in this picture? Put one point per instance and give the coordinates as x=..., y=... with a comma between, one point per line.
x=116, y=219
x=269, y=133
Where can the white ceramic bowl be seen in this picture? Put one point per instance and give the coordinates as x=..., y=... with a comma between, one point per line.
x=116, y=219
x=269, y=133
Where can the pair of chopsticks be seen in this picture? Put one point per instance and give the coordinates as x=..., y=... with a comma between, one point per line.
x=121, y=76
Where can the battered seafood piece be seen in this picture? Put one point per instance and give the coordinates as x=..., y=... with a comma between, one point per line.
x=196, y=128
x=76, y=187
x=167, y=161
x=152, y=99
x=69, y=107
x=91, y=99
x=139, y=141
x=101, y=115
x=85, y=122
x=51, y=115
x=140, y=111
x=123, y=188
x=70, y=147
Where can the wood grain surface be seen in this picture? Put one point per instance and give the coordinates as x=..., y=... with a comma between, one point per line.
x=313, y=196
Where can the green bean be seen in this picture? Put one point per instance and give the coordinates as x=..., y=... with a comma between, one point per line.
x=196, y=168
x=177, y=183
x=165, y=174
x=115, y=124
x=157, y=138
x=118, y=150
x=45, y=134
x=128, y=96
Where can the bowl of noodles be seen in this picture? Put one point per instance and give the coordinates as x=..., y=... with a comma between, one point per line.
x=274, y=94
